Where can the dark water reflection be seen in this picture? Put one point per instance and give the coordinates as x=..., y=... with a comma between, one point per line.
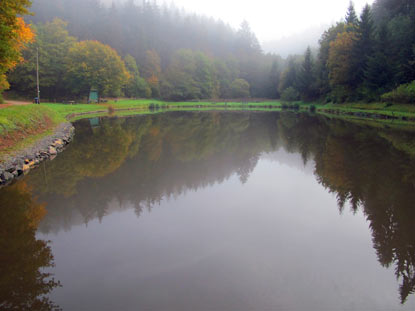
x=215, y=211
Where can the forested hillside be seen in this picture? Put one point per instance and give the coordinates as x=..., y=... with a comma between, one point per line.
x=179, y=56
x=145, y=49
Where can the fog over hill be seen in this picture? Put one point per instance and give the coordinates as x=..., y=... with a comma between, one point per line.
x=296, y=43
x=270, y=20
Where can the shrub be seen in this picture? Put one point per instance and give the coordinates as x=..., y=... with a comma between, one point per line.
x=111, y=109
x=404, y=93
x=290, y=94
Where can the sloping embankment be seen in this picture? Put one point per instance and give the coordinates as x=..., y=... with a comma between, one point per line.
x=29, y=135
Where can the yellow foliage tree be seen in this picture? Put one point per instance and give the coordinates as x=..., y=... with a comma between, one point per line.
x=92, y=64
x=341, y=62
x=341, y=58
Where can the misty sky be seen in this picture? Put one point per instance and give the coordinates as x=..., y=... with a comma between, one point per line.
x=273, y=19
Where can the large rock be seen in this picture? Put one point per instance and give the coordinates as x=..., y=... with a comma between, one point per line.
x=58, y=143
x=6, y=176
x=52, y=151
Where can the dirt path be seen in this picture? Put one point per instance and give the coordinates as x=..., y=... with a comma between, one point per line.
x=14, y=103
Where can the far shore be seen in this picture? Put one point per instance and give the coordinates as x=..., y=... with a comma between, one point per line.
x=23, y=123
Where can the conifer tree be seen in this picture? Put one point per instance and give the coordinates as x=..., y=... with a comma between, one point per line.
x=274, y=78
x=289, y=76
x=364, y=45
x=378, y=72
x=351, y=17
x=306, y=76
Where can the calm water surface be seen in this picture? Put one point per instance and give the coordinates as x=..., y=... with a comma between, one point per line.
x=215, y=211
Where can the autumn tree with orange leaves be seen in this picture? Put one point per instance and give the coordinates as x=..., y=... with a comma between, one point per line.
x=14, y=35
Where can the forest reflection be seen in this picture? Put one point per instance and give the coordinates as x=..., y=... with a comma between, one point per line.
x=135, y=162
x=23, y=282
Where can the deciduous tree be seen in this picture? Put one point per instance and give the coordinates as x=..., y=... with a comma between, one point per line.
x=91, y=64
x=240, y=88
x=136, y=85
x=53, y=43
x=14, y=35
x=341, y=64
x=152, y=71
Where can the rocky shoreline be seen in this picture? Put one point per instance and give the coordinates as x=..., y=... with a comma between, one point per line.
x=23, y=161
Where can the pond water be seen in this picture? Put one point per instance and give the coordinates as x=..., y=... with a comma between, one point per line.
x=215, y=211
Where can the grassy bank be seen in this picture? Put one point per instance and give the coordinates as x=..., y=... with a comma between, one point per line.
x=397, y=110
x=20, y=126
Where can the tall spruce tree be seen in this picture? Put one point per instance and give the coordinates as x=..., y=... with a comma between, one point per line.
x=364, y=45
x=289, y=76
x=378, y=72
x=274, y=78
x=306, y=76
x=351, y=17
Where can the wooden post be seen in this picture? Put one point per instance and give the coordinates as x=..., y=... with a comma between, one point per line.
x=37, y=75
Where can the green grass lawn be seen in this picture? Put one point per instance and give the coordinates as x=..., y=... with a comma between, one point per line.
x=21, y=126
x=17, y=118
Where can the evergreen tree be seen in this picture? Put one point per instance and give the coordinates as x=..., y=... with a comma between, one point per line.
x=246, y=39
x=364, y=44
x=274, y=78
x=289, y=76
x=351, y=17
x=378, y=72
x=402, y=38
x=306, y=76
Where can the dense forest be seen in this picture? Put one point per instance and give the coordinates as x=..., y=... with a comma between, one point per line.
x=143, y=49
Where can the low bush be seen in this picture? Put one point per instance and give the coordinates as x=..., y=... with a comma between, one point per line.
x=290, y=94
x=111, y=109
x=405, y=94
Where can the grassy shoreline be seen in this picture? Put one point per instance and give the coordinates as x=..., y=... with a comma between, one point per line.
x=21, y=126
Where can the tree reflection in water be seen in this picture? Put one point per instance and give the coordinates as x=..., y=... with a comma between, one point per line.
x=23, y=283
x=139, y=161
